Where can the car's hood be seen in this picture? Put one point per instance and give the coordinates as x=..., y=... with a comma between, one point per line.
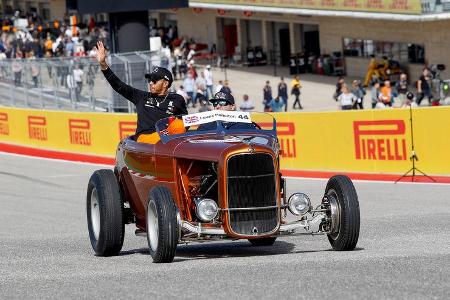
x=211, y=147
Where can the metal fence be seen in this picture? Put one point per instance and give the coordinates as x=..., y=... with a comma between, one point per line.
x=73, y=83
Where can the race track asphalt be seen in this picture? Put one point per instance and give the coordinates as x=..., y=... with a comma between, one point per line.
x=403, y=251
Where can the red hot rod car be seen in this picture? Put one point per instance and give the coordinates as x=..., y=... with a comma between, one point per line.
x=219, y=179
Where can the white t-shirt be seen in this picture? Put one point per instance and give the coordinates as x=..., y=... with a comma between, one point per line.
x=246, y=106
x=218, y=88
x=201, y=83
x=68, y=32
x=182, y=93
x=346, y=99
x=208, y=77
x=78, y=75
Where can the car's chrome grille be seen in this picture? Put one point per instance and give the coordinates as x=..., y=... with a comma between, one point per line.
x=252, y=184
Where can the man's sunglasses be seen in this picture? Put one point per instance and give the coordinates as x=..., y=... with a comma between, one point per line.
x=220, y=103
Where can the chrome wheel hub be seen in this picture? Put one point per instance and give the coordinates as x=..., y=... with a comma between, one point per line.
x=95, y=213
x=152, y=226
x=334, y=213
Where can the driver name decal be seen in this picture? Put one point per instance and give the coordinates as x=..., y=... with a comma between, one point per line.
x=4, y=127
x=80, y=133
x=37, y=128
x=216, y=115
x=380, y=140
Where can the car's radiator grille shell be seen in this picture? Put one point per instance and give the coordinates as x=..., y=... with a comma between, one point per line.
x=251, y=182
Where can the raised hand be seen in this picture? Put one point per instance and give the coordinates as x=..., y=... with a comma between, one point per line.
x=101, y=55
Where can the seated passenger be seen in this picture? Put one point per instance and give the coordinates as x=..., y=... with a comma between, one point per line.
x=225, y=101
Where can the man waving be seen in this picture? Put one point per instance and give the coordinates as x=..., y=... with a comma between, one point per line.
x=152, y=105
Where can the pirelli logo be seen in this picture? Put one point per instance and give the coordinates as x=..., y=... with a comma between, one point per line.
x=400, y=4
x=126, y=129
x=37, y=128
x=4, y=126
x=375, y=4
x=380, y=140
x=331, y=3
x=286, y=137
x=80, y=132
x=351, y=3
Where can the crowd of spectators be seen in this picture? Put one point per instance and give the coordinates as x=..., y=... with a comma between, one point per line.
x=26, y=36
x=385, y=94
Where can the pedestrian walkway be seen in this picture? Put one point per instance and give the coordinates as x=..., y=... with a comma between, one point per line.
x=316, y=93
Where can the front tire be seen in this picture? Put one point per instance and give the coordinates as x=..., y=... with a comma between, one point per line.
x=162, y=225
x=104, y=209
x=344, y=213
x=269, y=241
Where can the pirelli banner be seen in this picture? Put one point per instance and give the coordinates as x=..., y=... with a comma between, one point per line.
x=385, y=6
x=86, y=133
x=368, y=141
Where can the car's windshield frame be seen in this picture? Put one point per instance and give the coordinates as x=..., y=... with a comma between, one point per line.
x=161, y=127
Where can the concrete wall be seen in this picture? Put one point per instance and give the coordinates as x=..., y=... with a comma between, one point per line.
x=202, y=27
x=57, y=8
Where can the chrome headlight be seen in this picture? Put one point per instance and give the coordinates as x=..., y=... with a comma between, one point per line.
x=299, y=204
x=206, y=209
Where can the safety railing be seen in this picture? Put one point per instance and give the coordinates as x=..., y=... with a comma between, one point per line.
x=73, y=83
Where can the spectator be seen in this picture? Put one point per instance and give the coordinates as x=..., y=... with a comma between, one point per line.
x=209, y=81
x=375, y=94
x=35, y=70
x=276, y=105
x=191, y=69
x=200, y=84
x=247, y=105
x=402, y=89
x=17, y=69
x=71, y=85
x=338, y=91
x=48, y=45
x=424, y=87
x=346, y=98
x=267, y=96
x=78, y=78
x=386, y=94
x=282, y=92
x=182, y=92
x=189, y=86
x=359, y=92
x=296, y=86
x=203, y=104
x=219, y=87
x=226, y=88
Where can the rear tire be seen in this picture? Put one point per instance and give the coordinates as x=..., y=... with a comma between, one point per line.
x=104, y=209
x=162, y=225
x=344, y=202
x=269, y=241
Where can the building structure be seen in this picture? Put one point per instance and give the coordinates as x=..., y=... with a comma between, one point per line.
x=413, y=32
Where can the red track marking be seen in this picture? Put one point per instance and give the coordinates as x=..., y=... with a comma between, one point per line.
x=9, y=148
x=56, y=154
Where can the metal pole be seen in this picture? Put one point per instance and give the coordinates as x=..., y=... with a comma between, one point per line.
x=274, y=60
x=25, y=77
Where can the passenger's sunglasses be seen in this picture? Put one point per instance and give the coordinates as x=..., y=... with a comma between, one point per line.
x=220, y=103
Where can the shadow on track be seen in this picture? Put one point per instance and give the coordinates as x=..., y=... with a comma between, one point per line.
x=229, y=250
